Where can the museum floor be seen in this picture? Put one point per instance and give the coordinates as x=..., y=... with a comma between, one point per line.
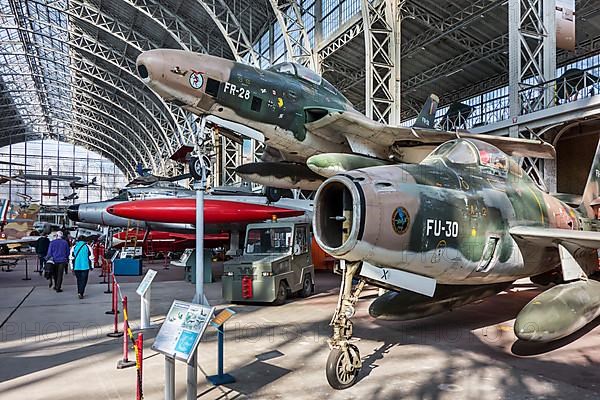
x=54, y=346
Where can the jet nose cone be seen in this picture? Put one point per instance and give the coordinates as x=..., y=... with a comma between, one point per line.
x=73, y=213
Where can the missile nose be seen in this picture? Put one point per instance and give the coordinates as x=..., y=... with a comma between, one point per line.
x=73, y=213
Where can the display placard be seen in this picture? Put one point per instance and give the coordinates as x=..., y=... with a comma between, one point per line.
x=146, y=282
x=182, y=330
x=128, y=252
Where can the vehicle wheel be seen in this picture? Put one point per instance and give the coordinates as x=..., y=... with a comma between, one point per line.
x=307, y=286
x=338, y=376
x=281, y=294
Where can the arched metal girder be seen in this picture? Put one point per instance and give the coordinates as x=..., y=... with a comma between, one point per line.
x=295, y=37
x=127, y=103
x=83, y=134
x=98, y=128
x=104, y=119
x=153, y=10
x=231, y=29
x=381, y=21
x=161, y=16
x=81, y=41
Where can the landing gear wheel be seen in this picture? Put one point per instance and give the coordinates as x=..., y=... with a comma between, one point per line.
x=273, y=194
x=307, y=286
x=281, y=294
x=341, y=368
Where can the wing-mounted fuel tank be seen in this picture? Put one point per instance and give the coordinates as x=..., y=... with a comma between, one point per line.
x=282, y=175
x=559, y=311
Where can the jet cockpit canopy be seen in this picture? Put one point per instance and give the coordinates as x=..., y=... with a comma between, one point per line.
x=473, y=152
x=305, y=74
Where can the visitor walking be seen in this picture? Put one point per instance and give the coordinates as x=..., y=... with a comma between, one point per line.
x=58, y=251
x=41, y=249
x=81, y=261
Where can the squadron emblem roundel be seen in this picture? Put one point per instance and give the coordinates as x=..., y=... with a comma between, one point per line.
x=400, y=220
x=196, y=80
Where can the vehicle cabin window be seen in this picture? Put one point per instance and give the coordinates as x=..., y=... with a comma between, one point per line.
x=269, y=240
x=300, y=240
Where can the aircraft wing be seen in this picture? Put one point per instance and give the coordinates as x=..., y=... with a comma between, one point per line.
x=18, y=241
x=358, y=126
x=552, y=237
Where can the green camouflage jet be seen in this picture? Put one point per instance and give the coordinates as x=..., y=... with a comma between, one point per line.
x=458, y=221
x=300, y=115
x=461, y=225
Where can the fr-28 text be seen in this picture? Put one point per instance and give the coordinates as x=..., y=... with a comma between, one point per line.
x=233, y=90
x=438, y=227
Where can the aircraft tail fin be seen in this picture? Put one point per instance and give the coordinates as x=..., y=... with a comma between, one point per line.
x=426, y=118
x=4, y=204
x=590, y=202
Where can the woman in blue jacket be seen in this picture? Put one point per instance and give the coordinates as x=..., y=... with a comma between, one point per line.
x=81, y=261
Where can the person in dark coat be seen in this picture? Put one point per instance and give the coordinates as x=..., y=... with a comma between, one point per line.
x=41, y=249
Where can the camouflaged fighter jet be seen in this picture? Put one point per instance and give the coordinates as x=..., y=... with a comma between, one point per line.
x=461, y=225
x=300, y=115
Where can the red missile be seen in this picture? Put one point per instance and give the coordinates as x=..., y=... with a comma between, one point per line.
x=184, y=211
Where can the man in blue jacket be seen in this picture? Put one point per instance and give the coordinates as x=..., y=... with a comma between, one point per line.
x=58, y=251
x=81, y=261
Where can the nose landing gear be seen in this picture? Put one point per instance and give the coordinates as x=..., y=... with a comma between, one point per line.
x=343, y=363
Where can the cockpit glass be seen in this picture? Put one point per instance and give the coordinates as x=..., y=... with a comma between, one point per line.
x=283, y=68
x=308, y=75
x=462, y=153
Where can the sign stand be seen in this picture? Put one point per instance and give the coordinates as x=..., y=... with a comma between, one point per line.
x=144, y=290
x=219, y=323
x=169, y=378
x=178, y=338
x=221, y=378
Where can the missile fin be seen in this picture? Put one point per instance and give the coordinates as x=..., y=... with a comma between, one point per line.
x=571, y=269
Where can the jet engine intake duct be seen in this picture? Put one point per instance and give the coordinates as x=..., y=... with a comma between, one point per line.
x=338, y=217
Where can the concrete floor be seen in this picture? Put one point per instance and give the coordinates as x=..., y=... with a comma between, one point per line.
x=54, y=346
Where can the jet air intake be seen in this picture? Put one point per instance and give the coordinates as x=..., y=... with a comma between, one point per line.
x=338, y=216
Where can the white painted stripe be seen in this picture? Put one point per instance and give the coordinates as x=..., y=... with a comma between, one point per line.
x=402, y=279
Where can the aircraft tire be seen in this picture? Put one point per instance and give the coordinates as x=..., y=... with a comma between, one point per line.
x=337, y=377
x=273, y=194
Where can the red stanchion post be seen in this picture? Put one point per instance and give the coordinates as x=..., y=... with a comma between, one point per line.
x=125, y=362
x=108, y=282
x=114, y=300
x=115, y=332
x=139, y=394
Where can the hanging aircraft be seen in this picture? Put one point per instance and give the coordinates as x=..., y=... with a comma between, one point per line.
x=72, y=196
x=300, y=114
x=49, y=177
x=78, y=185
